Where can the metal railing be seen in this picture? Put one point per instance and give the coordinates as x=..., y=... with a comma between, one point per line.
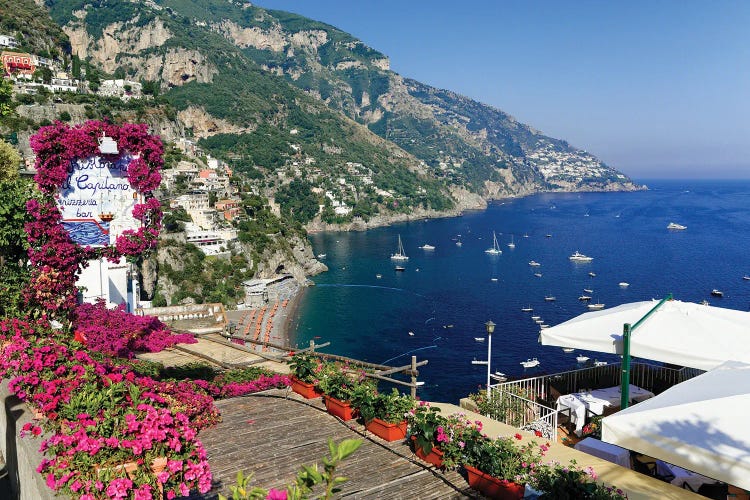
x=518, y=411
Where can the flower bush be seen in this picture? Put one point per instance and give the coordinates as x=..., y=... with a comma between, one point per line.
x=55, y=258
x=306, y=367
x=558, y=481
x=391, y=407
x=423, y=422
x=504, y=457
x=339, y=381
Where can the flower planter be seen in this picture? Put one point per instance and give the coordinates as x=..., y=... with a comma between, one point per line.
x=434, y=457
x=493, y=487
x=337, y=408
x=384, y=430
x=304, y=389
x=157, y=465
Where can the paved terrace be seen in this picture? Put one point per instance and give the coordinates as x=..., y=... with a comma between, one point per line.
x=272, y=434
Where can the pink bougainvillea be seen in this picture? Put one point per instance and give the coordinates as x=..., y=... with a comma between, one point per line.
x=56, y=259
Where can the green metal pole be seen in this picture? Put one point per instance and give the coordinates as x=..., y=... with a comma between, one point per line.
x=625, y=383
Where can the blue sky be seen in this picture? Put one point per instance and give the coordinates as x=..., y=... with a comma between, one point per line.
x=654, y=88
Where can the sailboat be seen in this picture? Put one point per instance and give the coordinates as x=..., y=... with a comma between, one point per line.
x=511, y=244
x=495, y=250
x=400, y=254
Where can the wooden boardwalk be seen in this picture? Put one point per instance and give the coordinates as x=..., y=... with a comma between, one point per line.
x=272, y=434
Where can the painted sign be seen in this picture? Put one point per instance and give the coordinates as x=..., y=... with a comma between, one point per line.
x=96, y=200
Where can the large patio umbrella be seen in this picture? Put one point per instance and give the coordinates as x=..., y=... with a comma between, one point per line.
x=670, y=331
x=700, y=425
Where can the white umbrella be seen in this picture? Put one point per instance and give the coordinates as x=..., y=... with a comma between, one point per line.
x=700, y=425
x=681, y=333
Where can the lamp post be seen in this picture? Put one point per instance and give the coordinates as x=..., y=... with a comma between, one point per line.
x=490, y=327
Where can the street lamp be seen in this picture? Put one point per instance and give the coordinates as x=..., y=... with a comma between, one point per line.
x=490, y=327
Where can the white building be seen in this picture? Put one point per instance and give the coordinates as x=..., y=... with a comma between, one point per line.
x=8, y=41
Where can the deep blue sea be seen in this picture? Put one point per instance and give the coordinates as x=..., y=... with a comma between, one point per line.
x=370, y=318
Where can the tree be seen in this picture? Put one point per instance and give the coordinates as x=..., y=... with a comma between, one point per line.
x=6, y=93
x=9, y=161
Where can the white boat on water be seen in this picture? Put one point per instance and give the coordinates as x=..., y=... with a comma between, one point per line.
x=493, y=279
x=534, y=263
x=400, y=269
x=479, y=339
x=588, y=290
x=581, y=358
x=498, y=376
x=539, y=321
x=530, y=363
x=495, y=250
x=511, y=244
x=674, y=225
x=525, y=235
x=568, y=349
x=427, y=247
x=584, y=298
x=592, y=275
x=746, y=277
x=538, y=275
x=543, y=326
x=458, y=243
x=536, y=317
x=550, y=298
x=378, y=276
x=526, y=309
x=600, y=363
x=717, y=293
x=400, y=254
x=596, y=307
x=321, y=256
x=624, y=284
x=579, y=257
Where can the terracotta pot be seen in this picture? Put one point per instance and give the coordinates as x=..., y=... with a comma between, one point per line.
x=384, y=430
x=434, y=457
x=493, y=487
x=157, y=465
x=338, y=408
x=304, y=389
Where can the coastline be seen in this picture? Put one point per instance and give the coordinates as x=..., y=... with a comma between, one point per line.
x=286, y=326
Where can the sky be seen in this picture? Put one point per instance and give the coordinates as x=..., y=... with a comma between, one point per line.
x=656, y=89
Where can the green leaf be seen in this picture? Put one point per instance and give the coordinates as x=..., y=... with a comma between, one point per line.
x=348, y=446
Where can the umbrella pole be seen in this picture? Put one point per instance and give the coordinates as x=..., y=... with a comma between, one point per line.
x=625, y=382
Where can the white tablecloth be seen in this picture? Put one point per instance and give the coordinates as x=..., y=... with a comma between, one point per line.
x=595, y=401
x=609, y=452
x=683, y=478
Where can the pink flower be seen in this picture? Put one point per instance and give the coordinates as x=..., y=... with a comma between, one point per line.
x=276, y=494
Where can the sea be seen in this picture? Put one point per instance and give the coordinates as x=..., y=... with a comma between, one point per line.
x=437, y=308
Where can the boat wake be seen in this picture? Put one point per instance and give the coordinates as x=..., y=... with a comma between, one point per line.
x=336, y=285
x=408, y=352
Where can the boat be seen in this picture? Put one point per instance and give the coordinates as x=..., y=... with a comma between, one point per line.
x=588, y=290
x=539, y=321
x=378, y=276
x=543, y=326
x=596, y=307
x=427, y=247
x=411, y=334
x=579, y=257
x=479, y=339
x=458, y=243
x=717, y=293
x=525, y=235
x=530, y=363
x=511, y=244
x=536, y=317
x=704, y=302
x=321, y=256
x=400, y=254
x=534, y=263
x=499, y=376
x=584, y=297
x=592, y=274
x=550, y=298
x=400, y=269
x=568, y=349
x=746, y=277
x=526, y=309
x=674, y=225
x=600, y=363
x=548, y=235
x=624, y=284
x=581, y=358
x=538, y=275
x=495, y=250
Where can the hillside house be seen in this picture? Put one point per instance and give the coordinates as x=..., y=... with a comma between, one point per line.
x=8, y=42
x=18, y=64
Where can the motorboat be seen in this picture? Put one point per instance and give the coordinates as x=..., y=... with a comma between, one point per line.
x=674, y=225
x=498, y=376
x=588, y=290
x=548, y=235
x=746, y=277
x=539, y=321
x=427, y=247
x=321, y=256
x=581, y=358
x=592, y=275
x=511, y=244
x=623, y=284
x=534, y=263
x=495, y=250
x=717, y=293
x=479, y=339
x=600, y=363
x=550, y=298
x=411, y=334
x=525, y=235
x=526, y=309
x=584, y=298
x=530, y=363
x=543, y=326
x=400, y=269
x=579, y=257
x=538, y=275
x=378, y=276
x=493, y=279
x=536, y=317
x=400, y=255
x=458, y=243
x=568, y=349
x=596, y=307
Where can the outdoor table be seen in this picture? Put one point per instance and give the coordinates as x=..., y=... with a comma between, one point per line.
x=595, y=402
x=683, y=478
x=609, y=452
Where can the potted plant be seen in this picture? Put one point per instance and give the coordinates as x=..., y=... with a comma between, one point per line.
x=305, y=369
x=338, y=385
x=556, y=480
x=423, y=422
x=384, y=414
x=499, y=468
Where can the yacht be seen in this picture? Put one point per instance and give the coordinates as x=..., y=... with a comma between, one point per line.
x=596, y=307
x=530, y=363
x=674, y=225
x=526, y=309
x=579, y=257
x=550, y=298
x=400, y=254
x=717, y=293
x=427, y=247
x=511, y=244
x=495, y=250
x=536, y=317
x=534, y=263
x=581, y=358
